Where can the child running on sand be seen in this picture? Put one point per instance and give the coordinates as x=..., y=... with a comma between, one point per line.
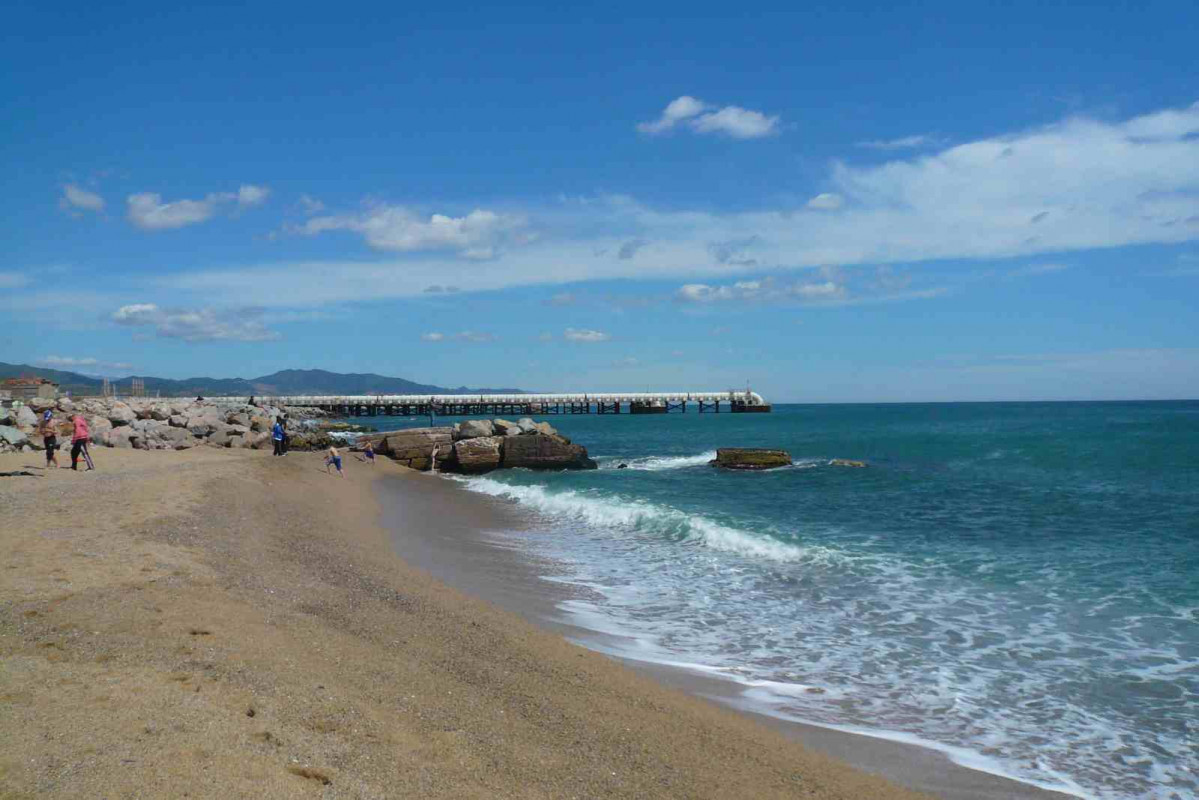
x=334, y=459
x=79, y=444
x=368, y=454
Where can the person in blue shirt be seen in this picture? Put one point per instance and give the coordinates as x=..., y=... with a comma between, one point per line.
x=277, y=436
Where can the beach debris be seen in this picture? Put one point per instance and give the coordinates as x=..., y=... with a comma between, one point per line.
x=750, y=458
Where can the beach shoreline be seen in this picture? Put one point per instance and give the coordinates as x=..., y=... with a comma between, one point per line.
x=221, y=623
x=475, y=547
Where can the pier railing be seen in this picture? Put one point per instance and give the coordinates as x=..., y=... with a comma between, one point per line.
x=528, y=404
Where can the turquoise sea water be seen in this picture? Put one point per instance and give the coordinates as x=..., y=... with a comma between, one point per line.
x=1014, y=583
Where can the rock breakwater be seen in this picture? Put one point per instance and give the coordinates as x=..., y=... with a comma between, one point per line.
x=478, y=446
x=160, y=424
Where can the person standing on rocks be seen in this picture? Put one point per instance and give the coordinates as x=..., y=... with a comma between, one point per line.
x=277, y=437
x=79, y=440
x=49, y=438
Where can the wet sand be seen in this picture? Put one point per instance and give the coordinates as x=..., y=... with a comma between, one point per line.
x=221, y=623
x=472, y=542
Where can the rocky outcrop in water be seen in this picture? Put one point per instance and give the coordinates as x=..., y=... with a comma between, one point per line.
x=478, y=446
x=751, y=459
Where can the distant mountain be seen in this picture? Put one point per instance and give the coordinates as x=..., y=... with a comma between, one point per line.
x=284, y=382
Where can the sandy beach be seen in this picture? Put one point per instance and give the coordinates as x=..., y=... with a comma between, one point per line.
x=221, y=623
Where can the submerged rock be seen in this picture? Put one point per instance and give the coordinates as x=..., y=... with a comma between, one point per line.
x=846, y=462
x=749, y=458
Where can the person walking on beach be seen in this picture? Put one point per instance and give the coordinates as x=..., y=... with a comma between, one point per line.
x=334, y=460
x=49, y=438
x=368, y=454
x=79, y=440
x=277, y=437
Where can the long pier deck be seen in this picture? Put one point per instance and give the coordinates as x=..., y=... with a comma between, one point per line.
x=447, y=405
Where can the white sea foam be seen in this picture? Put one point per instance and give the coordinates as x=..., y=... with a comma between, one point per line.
x=617, y=512
x=659, y=463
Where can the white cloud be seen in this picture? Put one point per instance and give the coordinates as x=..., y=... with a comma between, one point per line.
x=478, y=235
x=1103, y=183
x=250, y=195
x=475, y=336
x=904, y=143
x=75, y=198
x=432, y=337
x=147, y=210
x=68, y=361
x=310, y=205
x=676, y=111
x=826, y=201
x=701, y=117
x=1037, y=269
x=72, y=363
x=197, y=325
x=765, y=290
x=586, y=336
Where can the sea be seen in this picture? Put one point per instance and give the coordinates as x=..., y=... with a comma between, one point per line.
x=1013, y=584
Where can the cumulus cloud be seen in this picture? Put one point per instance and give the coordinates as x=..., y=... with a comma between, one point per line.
x=1103, y=184
x=197, y=325
x=585, y=336
x=826, y=201
x=432, y=337
x=478, y=235
x=148, y=211
x=310, y=205
x=701, y=117
x=250, y=195
x=76, y=199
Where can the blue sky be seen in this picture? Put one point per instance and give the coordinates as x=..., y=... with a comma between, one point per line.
x=911, y=202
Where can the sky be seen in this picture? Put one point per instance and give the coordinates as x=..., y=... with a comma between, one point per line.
x=868, y=203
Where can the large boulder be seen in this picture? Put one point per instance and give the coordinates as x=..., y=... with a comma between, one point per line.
x=478, y=454
x=750, y=458
x=177, y=421
x=98, y=427
x=203, y=423
x=121, y=414
x=473, y=428
x=539, y=451
x=40, y=404
x=238, y=418
x=25, y=419
x=160, y=412
x=527, y=425
x=261, y=424
x=65, y=405
x=504, y=427
x=12, y=437
x=176, y=438
x=121, y=437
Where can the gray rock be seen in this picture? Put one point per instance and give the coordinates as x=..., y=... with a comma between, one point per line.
x=41, y=403
x=203, y=424
x=65, y=405
x=538, y=451
x=25, y=418
x=527, y=425
x=751, y=458
x=546, y=428
x=238, y=418
x=121, y=437
x=12, y=437
x=473, y=428
x=162, y=413
x=177, y=421
x=505, y=427
x=478, y=454
x=121, y=414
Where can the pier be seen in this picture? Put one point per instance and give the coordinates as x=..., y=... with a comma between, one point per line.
x=455, y=405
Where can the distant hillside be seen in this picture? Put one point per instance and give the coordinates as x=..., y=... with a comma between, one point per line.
x=284, y=382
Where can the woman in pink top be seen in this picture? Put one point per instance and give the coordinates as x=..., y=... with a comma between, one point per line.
x=79, y=443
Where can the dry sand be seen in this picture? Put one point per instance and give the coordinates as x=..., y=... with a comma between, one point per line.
x=221, y=623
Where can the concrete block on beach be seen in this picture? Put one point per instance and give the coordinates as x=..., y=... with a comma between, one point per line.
x=480, y=454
